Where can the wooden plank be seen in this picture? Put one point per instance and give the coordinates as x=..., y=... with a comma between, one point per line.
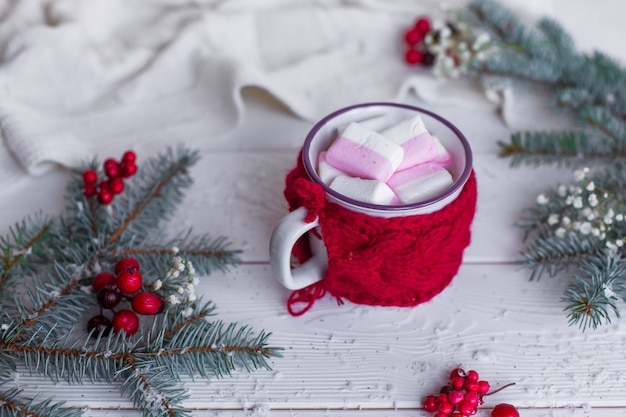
x=358, y=357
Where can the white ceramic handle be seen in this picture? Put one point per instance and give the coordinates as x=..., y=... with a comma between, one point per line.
x=284, y=237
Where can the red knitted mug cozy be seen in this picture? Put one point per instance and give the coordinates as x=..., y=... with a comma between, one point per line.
x=399, y=261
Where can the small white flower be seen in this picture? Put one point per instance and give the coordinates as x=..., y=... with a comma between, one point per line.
x=577, y=190
x=565, y=221
x=578, y=202
x=190, y=269
x=4, y=327
x=561, y=190
x=172, y=273
x=593, y=200
x=156, y=285
x=175, y=250
x=180, y=290
x=194, y=280
x=191, y=298
x=190, y=288
x=591, y=217
x=579, y=175
x=585, y=228
x=542, y=199
x=596, y=232
x=172, y=300
x=553, y=219
x=569, y=200
x=591, y=186
x=607, y=220
x=560, y=232
x=619, y=217
x=611, y=246
x=619, y=243
x=187, y=312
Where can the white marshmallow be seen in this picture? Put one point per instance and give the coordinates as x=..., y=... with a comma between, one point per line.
x=367, y=191
x=418, y=144
x=420, y=182
x=363, y=153
x=326, y=171
x=443, y=156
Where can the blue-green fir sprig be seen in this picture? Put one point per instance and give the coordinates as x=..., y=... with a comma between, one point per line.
x=586, y=85
x=577, y=228
x=46, y=270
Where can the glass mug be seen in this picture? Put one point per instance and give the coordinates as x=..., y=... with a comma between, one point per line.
x=294, y=225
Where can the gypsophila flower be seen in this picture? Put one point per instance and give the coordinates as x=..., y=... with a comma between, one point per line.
x=586, y=228
x=562, y=190
x=172, y=299
x=194, y=280
x=560, y=232
x=4, y=327
x=593, y=200
x=187, y=312
x=180, y=290
x=565, y=221
x=175, y=250
x=591, y=186
x=578, y=202
x=619, y=217
x=542, y=199
x=156, y=285
x=608, y=291
x=553, y=219
x=191, y=298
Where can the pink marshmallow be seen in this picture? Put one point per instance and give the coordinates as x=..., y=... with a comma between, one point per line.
x=363, y=153
x=418, y=144
x=368, y=191
x=420, y=182
x=326, y=171
x=443, y=157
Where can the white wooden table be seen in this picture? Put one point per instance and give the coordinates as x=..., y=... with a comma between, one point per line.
x=371, y=361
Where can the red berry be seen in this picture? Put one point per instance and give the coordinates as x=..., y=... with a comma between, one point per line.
x=105, y=196
x=127, y=321
x=147, y=303
x=109, y=297
x=483, y=387
x=111, y=168
x=413, y=57
x=413, y=37
x=471, y=386
x=430, y=404
x=90, y=176
x=89, y=190
x=124, y=264
x=422, y=25
x=129, y=156
x=129, y=281
x=457, y=372
x=101, y=325
x=471, y=398
x=472, y=375
x=440, y=414
x=128, y=169
x=456, y=414
x=466, y=408
x=116, y=185
x=504, y=410
x=442, y=398
x=455, y=397
x=101, y=280
x=457, y=382
x=445, y=408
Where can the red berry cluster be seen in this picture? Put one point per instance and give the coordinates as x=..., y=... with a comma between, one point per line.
x=124, y=284
x=115, y=173
x=461, y=397
x=417, y=53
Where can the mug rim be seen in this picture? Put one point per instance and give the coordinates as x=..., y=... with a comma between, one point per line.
x=453, y=189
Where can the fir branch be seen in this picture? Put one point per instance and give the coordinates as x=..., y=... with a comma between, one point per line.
x=12, y=405
x=591, y=297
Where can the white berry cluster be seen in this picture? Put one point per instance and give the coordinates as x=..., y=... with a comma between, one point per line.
x=455, y=47
x=585, y=209
x=181, y=280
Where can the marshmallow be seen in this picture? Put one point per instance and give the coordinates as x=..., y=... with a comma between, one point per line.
x=419, y=146
x=363, y=153
x=368, y=191
x=326, y=171
x=420, y=182
x=443, y=157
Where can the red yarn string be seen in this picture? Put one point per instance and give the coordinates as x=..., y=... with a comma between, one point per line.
x=400, y=261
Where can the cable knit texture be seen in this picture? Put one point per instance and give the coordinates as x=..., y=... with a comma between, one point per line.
x=400, y=261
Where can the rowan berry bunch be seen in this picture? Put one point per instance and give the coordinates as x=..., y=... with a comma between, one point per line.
x=113, y=179
x=448, y=47
x=124, y=284
x=462, y=396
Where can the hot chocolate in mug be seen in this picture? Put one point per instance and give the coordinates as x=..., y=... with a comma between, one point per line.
x=393, y=255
